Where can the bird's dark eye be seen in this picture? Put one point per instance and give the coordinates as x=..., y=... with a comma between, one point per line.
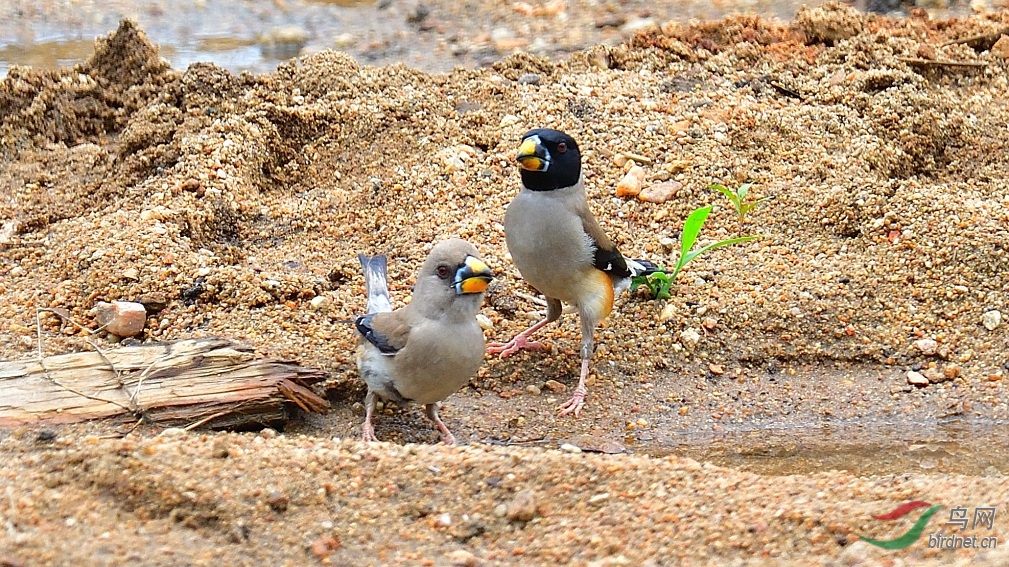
x=442, y=272
x=562, y=147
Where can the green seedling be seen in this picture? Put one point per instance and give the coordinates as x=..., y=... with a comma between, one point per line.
x=738, y=198
x=660, y=282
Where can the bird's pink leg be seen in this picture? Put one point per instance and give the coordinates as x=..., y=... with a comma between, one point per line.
x=367, y=429
x=432, y=413
x=520, y=342
x=574, y=405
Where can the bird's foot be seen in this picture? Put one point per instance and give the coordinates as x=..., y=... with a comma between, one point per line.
x=511, y=347
x=446, y=436
x=368, y=432
x=432, y=413
x=575, y=404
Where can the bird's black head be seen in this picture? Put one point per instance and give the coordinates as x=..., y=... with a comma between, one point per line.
x=549, y=160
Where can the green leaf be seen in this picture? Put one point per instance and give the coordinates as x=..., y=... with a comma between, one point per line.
x=727, y=192
x=743, y=190
x=691, y=228
x=720, y=244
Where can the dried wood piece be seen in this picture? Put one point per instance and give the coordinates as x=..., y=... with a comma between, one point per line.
x=937, y=63
x=214, y=381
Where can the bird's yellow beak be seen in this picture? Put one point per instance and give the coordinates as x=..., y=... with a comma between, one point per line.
x=532, y=155
x=473, y=276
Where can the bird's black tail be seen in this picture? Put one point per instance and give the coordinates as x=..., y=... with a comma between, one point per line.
x=642, y=267
x=375, y=282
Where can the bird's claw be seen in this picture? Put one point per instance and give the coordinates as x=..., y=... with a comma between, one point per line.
x=368, y=433
x=511, y=347
x=575, y=404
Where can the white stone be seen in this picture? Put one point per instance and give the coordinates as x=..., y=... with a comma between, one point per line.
x=991, y=319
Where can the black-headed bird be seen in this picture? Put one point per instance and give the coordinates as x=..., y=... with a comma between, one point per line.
x=429, y=349
x=559, y=247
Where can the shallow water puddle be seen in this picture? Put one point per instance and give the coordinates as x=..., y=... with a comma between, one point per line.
x=955, y=446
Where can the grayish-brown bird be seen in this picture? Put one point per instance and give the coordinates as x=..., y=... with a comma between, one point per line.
x=423, y=352
x=559, y=247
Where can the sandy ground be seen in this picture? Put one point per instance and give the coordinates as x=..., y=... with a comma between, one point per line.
x=240, y=199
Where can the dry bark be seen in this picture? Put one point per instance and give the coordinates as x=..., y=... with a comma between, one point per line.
x=212, y=382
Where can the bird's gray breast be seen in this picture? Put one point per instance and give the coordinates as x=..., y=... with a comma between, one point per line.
x=547, y=240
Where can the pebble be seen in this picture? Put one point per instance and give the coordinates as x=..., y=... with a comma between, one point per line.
x=463, y=558
x=283, y=42
x=690, y=337
x=530, y=79
x=630, y=185
x=928, y=347
x=916, y=378
x=992, y=319
x=444, y=520
x=324, y=546
x=120, y=318
x=533, y=389
x=278, y=501
x=173, y=432
x=320, y=303
x=522, y=508
x=660, y=192
x=1001, y=48
x=554, y=386
x=570, y=448
x=934, y=375
x=484, y=322
x=668, y=312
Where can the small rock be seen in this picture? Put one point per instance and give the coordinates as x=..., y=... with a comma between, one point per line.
x=278, y=501
x=690, y=337
x=1001, y=47
x=501, y=510
x=992, y=319
x=530, y=79
x=668, y=312
x=320, y=303
x=444, y=520
x=522, y=508
x=484, y=322
x=638, y=24
x=660, y=192
x=570, y=448
x=934, y=375
x=709, y=323
x=916, y=379
x=926, y=51
x=173, y=432
x=554, y=386
x=153, y=302
x=716, y=369
x=17, y=271
x=533, y=389
x=463, y=558
x=121, y=318
x=928, y=347
x=630, y=185
x=508, y=120
x=951, y=371
x=344, y=40
x=324, y=546
x=283, y=42
x=129, y=274
x=268, y=433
